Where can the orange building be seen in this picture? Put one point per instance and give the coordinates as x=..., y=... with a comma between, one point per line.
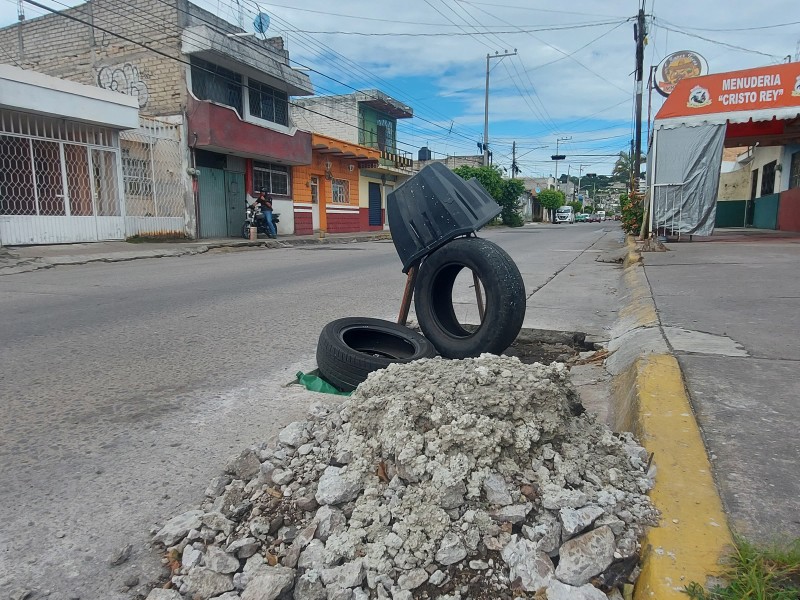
x=326, y=191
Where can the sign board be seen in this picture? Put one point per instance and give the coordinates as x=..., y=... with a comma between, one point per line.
x=677, y=66
x=773, y=88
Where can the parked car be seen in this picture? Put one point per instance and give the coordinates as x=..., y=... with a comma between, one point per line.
x=565, y=214
x=593, y=218
x=581, y=217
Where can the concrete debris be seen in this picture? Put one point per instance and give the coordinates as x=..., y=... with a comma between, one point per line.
x=445, y=479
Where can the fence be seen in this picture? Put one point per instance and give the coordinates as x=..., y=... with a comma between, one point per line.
x=668, y=211
x=154, y=179
x=59, y=181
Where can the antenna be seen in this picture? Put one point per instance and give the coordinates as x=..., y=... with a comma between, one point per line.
x=20, y=19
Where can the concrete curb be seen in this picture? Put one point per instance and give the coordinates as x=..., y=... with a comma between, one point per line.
x=650, y=399
x=34, y=264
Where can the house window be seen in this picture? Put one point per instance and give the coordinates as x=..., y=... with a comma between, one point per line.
x=268, y=103
x=314, y=190
x=217, y=84
x=768, y=178
x=385, y=135
x=136, y=174
x=794, y=171
x=341, y=191
x=271, y=177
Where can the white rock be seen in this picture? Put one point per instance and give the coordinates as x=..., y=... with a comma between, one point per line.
x=401, y=594
x=309, y=587
x=312, y=556
x=204, y=583
x=270, y=584
x=329, y=521
x=162, y=594
x=243, y=548
x=574, y=521
x=191, y=557
x=515, y=513
x=438, y=577
x=218, y=522
x=177, y=527
x=412, y=579
x=616, y=524
x=333, y=488
x=245, y=466
x=546, y=533
x=452, y=496
x=282, y=476
x=451, y=550
x=496, y=490
x=561, y=591
x=294, y=434
x=349, y=575
x=220, y=561
x=556, y=498
x=585, y=556
x=532, y=567
x=478, y=565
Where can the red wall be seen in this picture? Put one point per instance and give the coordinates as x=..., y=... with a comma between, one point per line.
x=303, y=224
x=343, y=223
x=221, y=128
x=789, y=210
x=363, y=217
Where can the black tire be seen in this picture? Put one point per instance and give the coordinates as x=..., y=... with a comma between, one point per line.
x=504, y=298
x=246, y=230
x=349, y=349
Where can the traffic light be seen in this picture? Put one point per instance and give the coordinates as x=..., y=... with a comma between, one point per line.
x=558, y=156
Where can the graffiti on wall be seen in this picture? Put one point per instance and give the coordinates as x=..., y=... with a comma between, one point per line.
x=125, y=79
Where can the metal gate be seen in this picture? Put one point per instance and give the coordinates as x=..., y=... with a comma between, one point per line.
x=374, y=204
x=60, y=181
x=153, y=176
x=668, y=209
x=213, y=213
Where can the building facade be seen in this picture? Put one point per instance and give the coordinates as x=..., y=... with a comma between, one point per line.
x=214, y=103
x=366, y=118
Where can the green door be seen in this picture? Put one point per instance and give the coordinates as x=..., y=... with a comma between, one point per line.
x=235, y=202
x=213, y=212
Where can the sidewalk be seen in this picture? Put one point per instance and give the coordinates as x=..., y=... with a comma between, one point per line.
x=21, y=259
x=705, y=374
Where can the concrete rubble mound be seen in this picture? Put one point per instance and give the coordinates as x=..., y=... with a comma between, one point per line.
x=478, y=478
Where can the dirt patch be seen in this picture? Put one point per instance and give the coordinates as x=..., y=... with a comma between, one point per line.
x=546, y=346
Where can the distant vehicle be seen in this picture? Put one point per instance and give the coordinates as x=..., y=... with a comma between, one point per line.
x=601, y=214
x=593, y=218
x=565, y=214
x=581, y=217
x=618, y=217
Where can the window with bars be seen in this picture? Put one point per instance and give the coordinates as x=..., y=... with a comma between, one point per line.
x=271, y=177
x=768, y=178
x=136, y=175
x=341, y=191
x=268, y=103
x=386, y=135
x=217, y=84
x=794, y=171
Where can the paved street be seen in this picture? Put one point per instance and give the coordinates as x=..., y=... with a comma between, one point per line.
x=127, y=386
x=741, y=370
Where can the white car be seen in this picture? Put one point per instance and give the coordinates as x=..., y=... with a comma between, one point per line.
x=565, y=214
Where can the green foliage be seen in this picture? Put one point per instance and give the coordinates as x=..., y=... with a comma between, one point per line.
x=551, y=199
x=577, y=206
x=506, y=192
x=757, y=573
x=632, y=209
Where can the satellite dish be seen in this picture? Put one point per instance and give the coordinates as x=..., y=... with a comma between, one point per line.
x=538, y=189
x=261, y=22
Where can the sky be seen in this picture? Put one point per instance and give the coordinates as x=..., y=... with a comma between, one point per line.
x=570, y=82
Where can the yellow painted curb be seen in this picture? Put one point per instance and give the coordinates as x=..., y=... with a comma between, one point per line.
x=693, y=536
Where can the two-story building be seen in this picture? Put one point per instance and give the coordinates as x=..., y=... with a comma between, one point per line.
x=367, y=118
x=213, y=100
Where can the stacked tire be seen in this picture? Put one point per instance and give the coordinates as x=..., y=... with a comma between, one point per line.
x=349, y=349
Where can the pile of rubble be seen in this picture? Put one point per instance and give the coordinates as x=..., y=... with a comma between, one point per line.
x=451, y=479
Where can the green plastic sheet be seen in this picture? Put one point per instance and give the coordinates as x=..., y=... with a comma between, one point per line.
x=317, y=384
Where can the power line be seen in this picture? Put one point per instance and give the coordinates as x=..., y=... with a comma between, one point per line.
x=674, y=28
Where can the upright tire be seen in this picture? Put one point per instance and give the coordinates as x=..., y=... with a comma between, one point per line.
x=349, y=349
x=504, y=301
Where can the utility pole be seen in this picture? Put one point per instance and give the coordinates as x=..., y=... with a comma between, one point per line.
x=639, y=34
x=20, y=41
x=557, y=157
x=486, y=105
x=580, y=172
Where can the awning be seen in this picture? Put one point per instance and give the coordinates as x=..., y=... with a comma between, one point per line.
x=341, y=149
x=753, y=102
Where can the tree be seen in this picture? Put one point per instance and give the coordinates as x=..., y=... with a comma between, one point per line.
x=551, y=199
x=624, y=166
x=577, y=206
x=506, y=192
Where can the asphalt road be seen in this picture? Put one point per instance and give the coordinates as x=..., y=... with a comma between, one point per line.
x=125, y=387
